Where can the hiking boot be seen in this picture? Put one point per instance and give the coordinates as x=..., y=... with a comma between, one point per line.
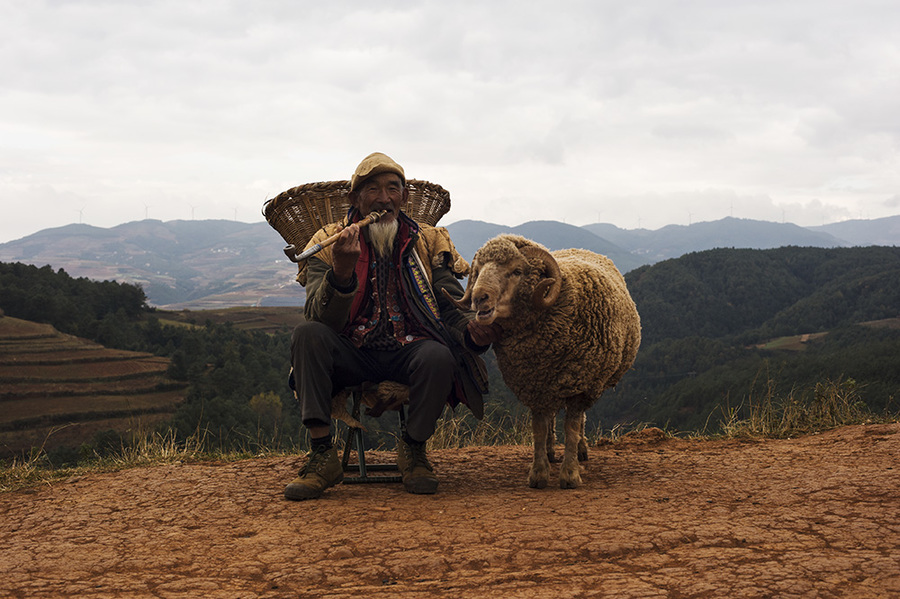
x=416, y=470
x=323, y=470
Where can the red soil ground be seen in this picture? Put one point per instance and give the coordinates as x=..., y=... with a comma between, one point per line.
x=817, y=516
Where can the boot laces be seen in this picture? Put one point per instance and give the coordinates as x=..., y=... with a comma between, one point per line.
x=318, y=460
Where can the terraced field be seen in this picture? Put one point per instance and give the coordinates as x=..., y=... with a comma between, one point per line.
x=59, y=390
x=265, y=319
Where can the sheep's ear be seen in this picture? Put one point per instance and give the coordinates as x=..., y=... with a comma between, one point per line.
x=547, y=290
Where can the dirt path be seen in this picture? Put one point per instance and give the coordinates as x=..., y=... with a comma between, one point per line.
x=812, y=517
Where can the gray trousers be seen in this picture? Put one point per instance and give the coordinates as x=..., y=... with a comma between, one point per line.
x=326, y=362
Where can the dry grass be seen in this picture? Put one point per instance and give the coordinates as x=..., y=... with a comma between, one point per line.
x=770, y=415
x=143, y=449
x=767, y=415
x=457, y=429
x=501, y=428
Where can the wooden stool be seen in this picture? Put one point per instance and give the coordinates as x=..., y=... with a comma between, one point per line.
x=356, y=436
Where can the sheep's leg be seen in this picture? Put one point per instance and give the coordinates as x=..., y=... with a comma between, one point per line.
x=540, y=467
x=582, y=442
x=339, y=410
x=551, y=441
x=570, y=471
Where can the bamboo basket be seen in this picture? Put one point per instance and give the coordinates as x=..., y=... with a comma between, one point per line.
x=301, y=211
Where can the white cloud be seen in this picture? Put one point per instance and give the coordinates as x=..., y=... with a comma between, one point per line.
x=644, y=112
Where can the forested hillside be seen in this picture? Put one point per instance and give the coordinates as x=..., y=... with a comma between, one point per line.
x=719, y=327
x=756, y=294
x=710, y=321
x=237, y=387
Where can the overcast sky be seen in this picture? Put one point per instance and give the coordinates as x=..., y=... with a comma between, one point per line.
x=636, y=113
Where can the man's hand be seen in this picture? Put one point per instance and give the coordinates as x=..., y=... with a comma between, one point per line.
x=484, y=334
x=345, y=253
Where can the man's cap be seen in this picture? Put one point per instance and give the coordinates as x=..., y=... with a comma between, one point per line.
x=375, y=164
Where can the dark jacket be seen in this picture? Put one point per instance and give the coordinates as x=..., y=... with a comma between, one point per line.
x=439, y=266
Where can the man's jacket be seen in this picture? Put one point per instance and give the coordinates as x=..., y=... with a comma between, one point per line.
x=428, y=263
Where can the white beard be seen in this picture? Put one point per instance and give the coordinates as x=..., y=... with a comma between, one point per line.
x=382, y=235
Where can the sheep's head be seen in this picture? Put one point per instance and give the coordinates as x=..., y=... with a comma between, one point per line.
x=503, y=269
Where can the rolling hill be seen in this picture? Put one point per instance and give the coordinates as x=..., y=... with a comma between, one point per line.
x=715, y=324
x=219, y=264
x=725, y=325
x=179, y=264
x=676, y=240
x=468, y=236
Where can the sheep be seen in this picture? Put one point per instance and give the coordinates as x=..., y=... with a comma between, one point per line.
x=378, y=398
x=570, y=331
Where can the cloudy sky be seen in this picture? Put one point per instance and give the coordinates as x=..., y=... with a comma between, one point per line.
x=636, y=113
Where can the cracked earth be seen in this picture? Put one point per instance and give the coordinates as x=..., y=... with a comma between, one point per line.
x=817, y=516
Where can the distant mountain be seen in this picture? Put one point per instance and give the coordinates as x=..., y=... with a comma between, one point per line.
x=217, y=263
x=180, y=264
x=469, y=235
x=882, y=231
x=676, y=240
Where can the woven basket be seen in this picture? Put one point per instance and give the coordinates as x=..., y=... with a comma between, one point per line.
x=301, y=211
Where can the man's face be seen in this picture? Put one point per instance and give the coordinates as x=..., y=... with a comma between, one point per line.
x=384, y=191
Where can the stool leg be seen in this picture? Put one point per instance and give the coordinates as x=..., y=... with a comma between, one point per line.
x=356, y=437
x=401, y=411
x=348, y=440
x=361, y=453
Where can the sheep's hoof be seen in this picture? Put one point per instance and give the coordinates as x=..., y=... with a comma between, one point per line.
x=572, y=483
x=536, y=481
x=570, y=477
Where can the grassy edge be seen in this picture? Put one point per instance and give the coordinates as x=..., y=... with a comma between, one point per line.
x=144, y=449
x=767, y=415
x=773, y=415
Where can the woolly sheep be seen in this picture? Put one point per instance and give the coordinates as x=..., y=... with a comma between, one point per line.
x=378, y=398
x=570, y=331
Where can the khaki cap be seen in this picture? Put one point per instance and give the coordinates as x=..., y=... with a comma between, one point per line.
x=375, y=164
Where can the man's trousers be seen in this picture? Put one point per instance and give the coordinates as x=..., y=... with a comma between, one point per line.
x=326, y=362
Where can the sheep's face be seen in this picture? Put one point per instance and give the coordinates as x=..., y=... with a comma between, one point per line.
x=510, y=275
x=494, y=287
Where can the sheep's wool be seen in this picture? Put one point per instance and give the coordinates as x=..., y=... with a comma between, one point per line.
x=580, y=346
x=564, y=356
